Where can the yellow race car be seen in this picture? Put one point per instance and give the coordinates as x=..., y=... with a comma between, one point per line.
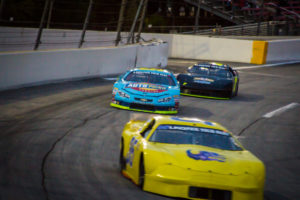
x=189, y=158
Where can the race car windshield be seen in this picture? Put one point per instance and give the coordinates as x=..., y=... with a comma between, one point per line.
x=210, y=71
x=175, y=134
x=219, y=72
x=202, y=70
x=150, y=77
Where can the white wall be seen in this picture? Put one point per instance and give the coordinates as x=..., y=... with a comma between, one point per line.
x=283, y=50
x=208, y=48
x=165, y=37
x=35, y=67
x=153, y=54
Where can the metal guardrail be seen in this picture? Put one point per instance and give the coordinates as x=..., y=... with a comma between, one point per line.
x=175, y=29
x=289, y=13
x=263, y=29
x=210, y=8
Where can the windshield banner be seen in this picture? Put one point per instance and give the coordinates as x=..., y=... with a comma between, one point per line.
x=191, y=128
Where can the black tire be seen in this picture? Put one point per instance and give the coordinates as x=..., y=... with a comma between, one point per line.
x=141, y=173
x=122, y=162
x=236, y=91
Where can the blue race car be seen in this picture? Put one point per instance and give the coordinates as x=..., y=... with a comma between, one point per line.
x=147, y=90
x=209, y=80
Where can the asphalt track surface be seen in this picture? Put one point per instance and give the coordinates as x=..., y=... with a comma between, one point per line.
x=61, y=141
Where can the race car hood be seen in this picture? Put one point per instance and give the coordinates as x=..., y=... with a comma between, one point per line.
x=206, y=159
x=145, y=89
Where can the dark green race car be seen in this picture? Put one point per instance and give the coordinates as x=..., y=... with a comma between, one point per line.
x=209, y=80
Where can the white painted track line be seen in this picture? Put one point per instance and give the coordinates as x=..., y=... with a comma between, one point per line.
x=267, y=65
x=111, y=79
x=280, y=110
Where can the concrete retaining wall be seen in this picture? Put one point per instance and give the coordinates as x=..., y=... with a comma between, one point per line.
x=283, y=50
x=36, y=67
x=205, y=48
x=153, y=54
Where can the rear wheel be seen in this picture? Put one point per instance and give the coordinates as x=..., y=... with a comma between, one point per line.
x=141, y=172
x=236, y=90
x=122, y=162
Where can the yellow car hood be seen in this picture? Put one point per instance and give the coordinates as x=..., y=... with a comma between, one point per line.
x=205, y=159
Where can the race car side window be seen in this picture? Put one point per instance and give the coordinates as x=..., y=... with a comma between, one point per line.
x=232, y=71
x=146, y=132
x=120, y=77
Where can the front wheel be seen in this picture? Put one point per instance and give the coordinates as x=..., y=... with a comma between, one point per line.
x=141, y=172
x=122, y=162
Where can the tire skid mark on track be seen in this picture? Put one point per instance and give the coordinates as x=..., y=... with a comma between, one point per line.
x=61, y=103
x=249, y=125
x=21, y=119
x=57, y=141
x=270, y=115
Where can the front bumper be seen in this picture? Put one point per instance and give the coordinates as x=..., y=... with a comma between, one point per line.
x=177, y=182
x=144, y=107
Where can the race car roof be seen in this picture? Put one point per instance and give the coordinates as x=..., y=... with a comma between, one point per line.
x=189, y=122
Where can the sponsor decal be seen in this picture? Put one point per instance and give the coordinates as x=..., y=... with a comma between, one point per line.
x=186, y=120
x=115, y=90
x=206, y=156
x=146, y=87
x=203, y=80
x=130, y=154
x=209, y=123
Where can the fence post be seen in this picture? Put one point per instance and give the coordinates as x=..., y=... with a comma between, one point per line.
x=1, y=8
x=260, y=16
x=38, y=39
x=197, y=18
x=134, y=21
x=142, y=21
x=50, y=13
x=287, y=28
x=120, y=22
x=86, y=21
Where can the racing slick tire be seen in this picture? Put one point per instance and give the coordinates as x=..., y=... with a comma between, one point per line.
x=236, y=91
x=122, y=162
x=141, y=172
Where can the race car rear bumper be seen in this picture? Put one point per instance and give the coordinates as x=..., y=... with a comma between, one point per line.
x=145, y=108
x=204, y=185
x=212, y=94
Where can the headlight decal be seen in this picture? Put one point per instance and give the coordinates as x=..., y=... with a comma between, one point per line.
x=166, y=99
x=123, y=94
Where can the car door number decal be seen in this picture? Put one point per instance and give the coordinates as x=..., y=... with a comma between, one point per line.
x=130, y=154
